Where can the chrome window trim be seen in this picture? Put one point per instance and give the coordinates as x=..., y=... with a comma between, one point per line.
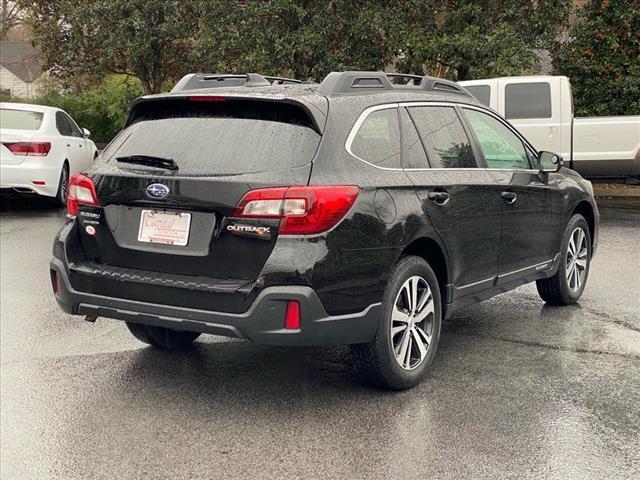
x=367, y=111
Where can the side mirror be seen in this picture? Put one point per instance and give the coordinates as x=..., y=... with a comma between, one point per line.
x=549, y=162
x=85, y=133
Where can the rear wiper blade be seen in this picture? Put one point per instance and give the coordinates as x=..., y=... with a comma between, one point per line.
x=157, y=162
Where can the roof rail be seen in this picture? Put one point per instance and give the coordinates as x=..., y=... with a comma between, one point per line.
x=195, y=81
x=371, y=82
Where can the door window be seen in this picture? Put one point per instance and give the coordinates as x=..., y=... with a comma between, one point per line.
x=62, y=125
x=443, y=137
x=378, y=139
x=75, y=131
x=501, y=147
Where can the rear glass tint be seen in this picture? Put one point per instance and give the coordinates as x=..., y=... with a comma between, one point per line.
x=20, y=119
x=218, y=137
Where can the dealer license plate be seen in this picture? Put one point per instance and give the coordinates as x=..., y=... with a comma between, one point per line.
x=169, y=228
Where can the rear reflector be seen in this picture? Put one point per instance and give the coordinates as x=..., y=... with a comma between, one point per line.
x=36, y=149
x=292, y=317
x=55, y=282
x=81, y=191
x=39, y=182
x=303, y=210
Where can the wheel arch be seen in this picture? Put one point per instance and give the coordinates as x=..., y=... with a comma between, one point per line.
x=585, y=209
x=435, y=255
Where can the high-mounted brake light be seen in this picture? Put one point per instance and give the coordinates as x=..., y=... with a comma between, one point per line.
x=304, y=210
x=81, y=191
x=204, y=98
x=36, y=149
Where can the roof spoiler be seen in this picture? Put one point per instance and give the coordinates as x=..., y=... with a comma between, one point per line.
x=371, y=82
x=195, y=81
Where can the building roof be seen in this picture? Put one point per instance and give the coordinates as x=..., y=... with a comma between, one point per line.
x=22, y=59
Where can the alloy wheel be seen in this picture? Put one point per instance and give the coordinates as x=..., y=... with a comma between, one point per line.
x=412, y=323
x=577, y=259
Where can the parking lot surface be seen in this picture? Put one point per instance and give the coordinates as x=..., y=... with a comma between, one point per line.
x=517, y=390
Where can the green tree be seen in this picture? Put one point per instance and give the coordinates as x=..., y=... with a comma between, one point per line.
x=304, y=39
x=602, y=58
x=151, y=40
x=467, y=39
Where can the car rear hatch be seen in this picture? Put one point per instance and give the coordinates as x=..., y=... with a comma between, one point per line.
x=167, y=188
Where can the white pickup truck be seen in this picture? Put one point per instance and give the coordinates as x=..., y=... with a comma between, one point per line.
x=541, y=108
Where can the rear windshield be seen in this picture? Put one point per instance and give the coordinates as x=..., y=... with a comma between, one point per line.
x=217, y=137
x=20, y=119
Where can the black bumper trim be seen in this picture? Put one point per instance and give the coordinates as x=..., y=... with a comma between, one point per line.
x=262, y=323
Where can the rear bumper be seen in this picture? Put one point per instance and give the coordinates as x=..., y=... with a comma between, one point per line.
x=20, y=177
x=262, y=323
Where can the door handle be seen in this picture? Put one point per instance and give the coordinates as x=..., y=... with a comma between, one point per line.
x=439, y=198
x=509, y=197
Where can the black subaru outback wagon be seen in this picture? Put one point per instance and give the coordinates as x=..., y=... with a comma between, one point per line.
x=356, y=211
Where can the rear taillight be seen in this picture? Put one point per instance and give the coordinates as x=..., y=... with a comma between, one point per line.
x=81, y=191
x=302, y=210
x=36, y=149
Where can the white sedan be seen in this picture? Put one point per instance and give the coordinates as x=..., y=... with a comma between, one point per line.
x=41, y=147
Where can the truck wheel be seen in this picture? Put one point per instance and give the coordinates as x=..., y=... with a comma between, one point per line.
x=567, y=285
x=161, y=337
x=63, y=186
x=407, y=337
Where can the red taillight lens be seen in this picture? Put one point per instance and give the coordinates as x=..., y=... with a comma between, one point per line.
x=205, y=98
x=292, y=317
x=303, y=210
x=36, y=149
x=81, y=191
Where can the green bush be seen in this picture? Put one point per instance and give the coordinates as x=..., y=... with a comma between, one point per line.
x=102, y=109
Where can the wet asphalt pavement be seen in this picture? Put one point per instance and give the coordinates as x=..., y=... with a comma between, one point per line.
x=518, y=389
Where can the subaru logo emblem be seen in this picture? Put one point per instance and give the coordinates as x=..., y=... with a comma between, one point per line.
x=157, y=191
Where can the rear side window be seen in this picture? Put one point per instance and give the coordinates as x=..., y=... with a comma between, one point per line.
x=218, y=137
x=481, y=92
x=500, y=146
x=62, y=125
x=443, y=137
x=20, y=119
x=527, y=100
x=378, y=139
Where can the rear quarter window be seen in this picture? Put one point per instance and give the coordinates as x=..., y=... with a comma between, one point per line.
x=377, y=140
x=218, y=137
x=20, y=119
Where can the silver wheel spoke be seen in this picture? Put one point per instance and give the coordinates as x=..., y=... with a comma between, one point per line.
x=572, y=247
x=401, y=352
x=398, y=329
x=399, y=316
x=414, y=294
x=581, y=263
x=417, y=339
x=426, y=310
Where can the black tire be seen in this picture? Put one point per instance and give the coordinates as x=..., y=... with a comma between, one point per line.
x=375, y=363
x=161, y=337
x=559, y=289
x=63, y=186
